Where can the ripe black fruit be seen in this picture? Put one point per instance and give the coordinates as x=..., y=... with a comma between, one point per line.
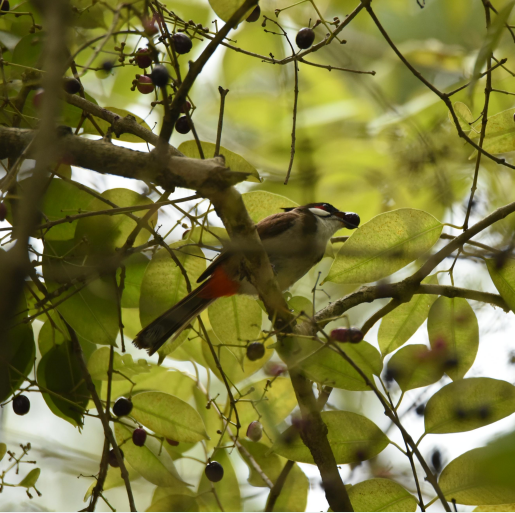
x=254, y=15
x=214, y=471
x=182, y=126
x=21, y=405
x=112, y=458
x=138, y=437
x=186, y=107
x=181, y=43
x=71, y=85
x=122, y=407
x=107, y=66
x=145, y=85
x=351, y=219
x=305, y=38
x=160, y=76
x=255, y=351
x=352, y=335
x=143, y=58
x=420, y=409
x=5, y=6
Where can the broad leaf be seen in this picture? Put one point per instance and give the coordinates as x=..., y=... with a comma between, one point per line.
x=64, y=389
x=497, y=507
x=454, y=334
x=3, y=450
x=462, y=480
x=498, y=462
x=176, y=502
x=381, y=495
x=30, y=479
x=353, y=438
x=154, y=465
x=469, y=404
x=236, y=321
x=232, y=160
x=227, y=490
x=168, y=416
x=124, y=365
x=224, y=9
x=385, y=244
x=504, y=279
x=261, y=204
x=464, y=115
x=415, y=366
x=135, y=267
x=399, y=326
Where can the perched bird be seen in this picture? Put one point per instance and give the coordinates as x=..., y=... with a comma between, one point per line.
x=295, y=241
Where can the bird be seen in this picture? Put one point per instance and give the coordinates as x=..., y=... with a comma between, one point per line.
x=295, y=240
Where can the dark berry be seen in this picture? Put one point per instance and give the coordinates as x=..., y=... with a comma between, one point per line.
x=122, y=407
x=21, y=405
x=107, y=66
x=182, y=125
x=255, y=431
x=351, y=220
x=181, y=43
x=254, y=15
x=112, y=458
x=3, y=211
x=71, y=85
x=420, y=409
x=138, y=437
x=145, y=85
x=185, y=107
x=436, y=460
x=143, y=58
x=172, y=442
x=38, y=98
x=255, y=351
x=214, y=471
x=160, y=76
x=305, y=38
x=5, y=6
x=352, y=335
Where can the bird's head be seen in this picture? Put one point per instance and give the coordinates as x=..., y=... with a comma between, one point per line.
x=330, y=214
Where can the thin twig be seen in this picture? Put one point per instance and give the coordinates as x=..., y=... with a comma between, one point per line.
x=223, y=93
x=278, y=486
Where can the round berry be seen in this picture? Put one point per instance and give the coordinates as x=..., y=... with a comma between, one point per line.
x=185, y=107
x=351, y=220
x=160, y=76
x=21, y=405
x=138, y=437
x=3, y=211
x=112, y=458
x=254, y=15
x=420, y=409
x=38, y=98
x=255, y=431
x=71, y=85
x=255, y=351
x=181, y=43
x=143, y=58
x=305, y=38
x=352, y=335
x=172, y=442
x=5, y=5
x=214, y=471
x=145, y=85
x=122, y=407
x=182, y=125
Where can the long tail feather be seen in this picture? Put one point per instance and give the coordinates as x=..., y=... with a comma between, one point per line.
x=173, y=321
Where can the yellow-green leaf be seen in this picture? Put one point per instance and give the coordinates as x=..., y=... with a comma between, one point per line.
x=504, y=279
x=261, y=204
x=98, y=365
x=381, y=495
x=385, y=244
x=469, y=404
x=30, y=479
x=224, y=9
x=3, y=450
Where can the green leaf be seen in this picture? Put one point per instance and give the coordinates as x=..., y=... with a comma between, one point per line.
x=113, y=479
x=273, y=401
x=469, y=404
x=163, y=283
x=154, y=465
x=211, y=419
x=60, y=373
x=465, y=117
x=177, y=502
x=324, y=365
x=30, y=480
x=385, y=244
x=504, y=279
x=497, y=507
x=415, y=366
x=399, y=326
x=500, y=144
x=462, y=481
x=100, y=236
x=135, y=267
x=300, y=304
x=454, y=333
x=28, y=52
x=224, y=9
x=352, y=437
x=169, y=416
x=89, y=128
x=98, y=365
x=381, y=495
x=232, y=160
x=497, y=125
x=3, y=450
x=227, y=490
x=294, y=493
x=211, y=236
x=261, y=204
x=236, y=320
x=498, y=462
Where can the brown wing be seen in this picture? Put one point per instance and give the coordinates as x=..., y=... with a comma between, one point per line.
x=276, y=224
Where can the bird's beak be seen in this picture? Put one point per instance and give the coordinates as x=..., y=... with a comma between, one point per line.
x=349, y=219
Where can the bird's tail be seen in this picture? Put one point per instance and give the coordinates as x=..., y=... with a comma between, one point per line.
x=173, y=321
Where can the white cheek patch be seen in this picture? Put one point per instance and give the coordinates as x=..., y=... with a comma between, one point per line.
x=319, y=212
